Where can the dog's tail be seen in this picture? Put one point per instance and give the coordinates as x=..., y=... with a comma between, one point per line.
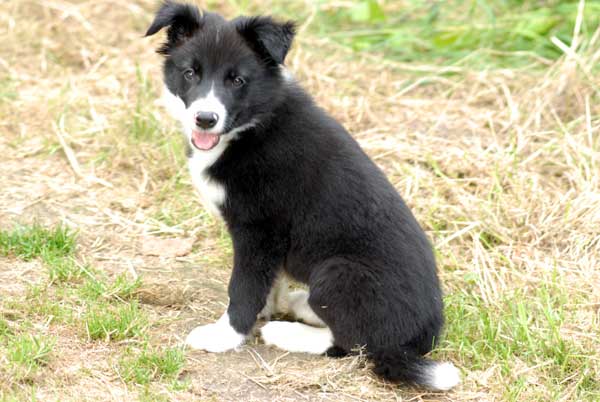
x=409, y=367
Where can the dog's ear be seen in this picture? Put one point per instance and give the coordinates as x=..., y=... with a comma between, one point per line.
x=270, y=39
x=182, y=19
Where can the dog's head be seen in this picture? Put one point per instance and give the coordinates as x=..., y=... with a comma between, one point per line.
x=220, y=76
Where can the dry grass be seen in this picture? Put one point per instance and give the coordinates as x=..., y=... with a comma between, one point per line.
x=502, y=167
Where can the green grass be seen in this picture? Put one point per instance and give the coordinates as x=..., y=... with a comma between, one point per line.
x=143, y=125
x=152, y=365
x=79, y=298
x=30, y=351
x=76, y=295
x=62, y=269
x=98, y=287
x=4, y=328
x=43, y=302
x=26, y=353
x=83, y=298
x=114, y=322
x=8, y=92
x=28, y=242
x=475, y=33
x=524, y=326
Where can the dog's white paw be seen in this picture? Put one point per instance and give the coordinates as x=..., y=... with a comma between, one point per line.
x=297, y=337
x=275, y=333
x=217, y=337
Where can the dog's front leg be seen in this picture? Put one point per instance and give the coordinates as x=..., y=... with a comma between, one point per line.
x=258, y=255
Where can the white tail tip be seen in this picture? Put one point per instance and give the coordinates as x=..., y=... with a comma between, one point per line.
x=443, y=376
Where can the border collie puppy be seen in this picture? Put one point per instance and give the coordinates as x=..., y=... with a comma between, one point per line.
x=301, y=198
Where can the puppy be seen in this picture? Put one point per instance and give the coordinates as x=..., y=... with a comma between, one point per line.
x=301, y=198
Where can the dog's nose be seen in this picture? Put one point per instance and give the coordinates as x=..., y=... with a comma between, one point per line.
x=206, y=120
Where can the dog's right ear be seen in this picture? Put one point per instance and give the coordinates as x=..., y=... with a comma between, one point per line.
x=182, y=19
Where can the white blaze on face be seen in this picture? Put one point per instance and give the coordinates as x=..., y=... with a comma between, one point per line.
x=187, y=116
x=210, y=104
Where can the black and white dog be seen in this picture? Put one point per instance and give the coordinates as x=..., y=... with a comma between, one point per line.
x=299, y=198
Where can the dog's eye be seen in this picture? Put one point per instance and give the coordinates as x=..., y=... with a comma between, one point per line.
x=188, y=74
x=238, y=81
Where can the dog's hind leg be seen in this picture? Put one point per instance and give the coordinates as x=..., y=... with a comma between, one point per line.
x=301, y=310
x=295, y=304
x=278, y=299
x=297, y=337
x=309, y=336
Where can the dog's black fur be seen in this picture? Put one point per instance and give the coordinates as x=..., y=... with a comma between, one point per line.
x=303, y=197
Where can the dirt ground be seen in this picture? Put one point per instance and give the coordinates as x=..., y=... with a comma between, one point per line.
x=45, y=190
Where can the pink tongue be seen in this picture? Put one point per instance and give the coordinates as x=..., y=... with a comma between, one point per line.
x=204, y=141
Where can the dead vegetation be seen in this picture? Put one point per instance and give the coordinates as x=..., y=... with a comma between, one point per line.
x=501, y=166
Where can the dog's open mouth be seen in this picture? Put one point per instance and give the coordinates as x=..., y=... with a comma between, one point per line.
x=204, y=141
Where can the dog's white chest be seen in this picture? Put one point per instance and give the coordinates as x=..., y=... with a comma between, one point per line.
x=212, y=194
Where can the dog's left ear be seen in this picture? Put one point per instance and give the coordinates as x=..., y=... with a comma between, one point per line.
x=270, y=39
